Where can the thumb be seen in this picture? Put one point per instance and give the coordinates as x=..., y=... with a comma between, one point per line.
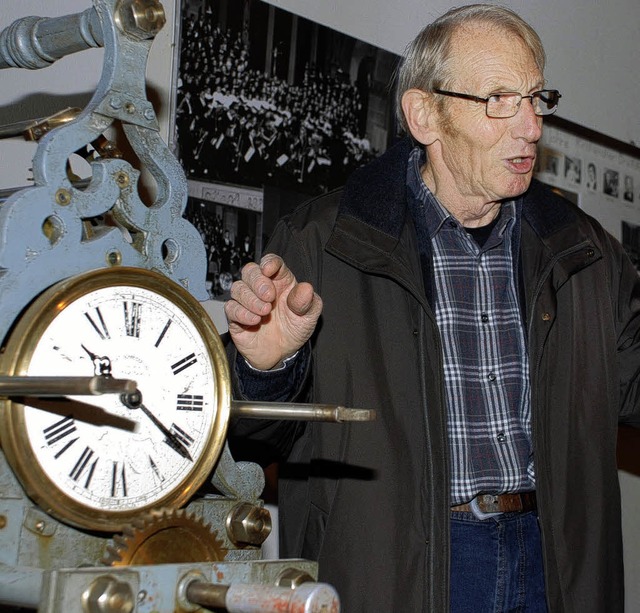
x=302, y=300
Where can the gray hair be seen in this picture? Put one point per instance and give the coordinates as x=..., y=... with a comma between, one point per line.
x=426, y=63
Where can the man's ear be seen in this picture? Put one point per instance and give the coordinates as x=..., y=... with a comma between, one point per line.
x=419, y=113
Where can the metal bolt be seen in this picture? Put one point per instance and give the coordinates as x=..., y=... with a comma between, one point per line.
x=293, y=577
x=149, y=114
x=63, y=197
x=115, y=103
x=108, y=595
x=130, y=108
x=122, y=179
x=248, y=524
x=114, y=258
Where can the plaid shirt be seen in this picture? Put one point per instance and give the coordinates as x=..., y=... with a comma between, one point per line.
x=486, y=366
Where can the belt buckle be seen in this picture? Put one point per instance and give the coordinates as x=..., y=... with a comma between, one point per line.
x=475, y=509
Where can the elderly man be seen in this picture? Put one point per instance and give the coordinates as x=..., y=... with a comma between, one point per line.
x=493, y=326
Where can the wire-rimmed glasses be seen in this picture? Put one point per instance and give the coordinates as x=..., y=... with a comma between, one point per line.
x=502, y=105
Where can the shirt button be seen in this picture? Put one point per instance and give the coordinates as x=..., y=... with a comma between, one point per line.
x=491, y=376
x=501, y=438
x=484, y=317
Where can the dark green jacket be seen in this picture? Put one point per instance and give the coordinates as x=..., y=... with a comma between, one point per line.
x=369, y=501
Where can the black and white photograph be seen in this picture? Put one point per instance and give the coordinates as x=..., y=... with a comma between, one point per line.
x=268, y=99
x=592, y=177
x=572, y=169
x=611, y=182
x=628, y=188
x=229, y=234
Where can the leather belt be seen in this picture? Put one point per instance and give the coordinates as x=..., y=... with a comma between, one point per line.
x=490, y=504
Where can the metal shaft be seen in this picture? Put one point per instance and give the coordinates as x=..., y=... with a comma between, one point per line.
x=37, y=42
x=64, y=386
x=300, y=412
x=243, y=598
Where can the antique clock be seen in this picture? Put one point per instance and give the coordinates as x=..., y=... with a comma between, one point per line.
x=97, y=462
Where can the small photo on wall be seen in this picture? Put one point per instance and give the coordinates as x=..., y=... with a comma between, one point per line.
x=592, y=177
x=628, y=188
x=572, y=169
x=611, y=182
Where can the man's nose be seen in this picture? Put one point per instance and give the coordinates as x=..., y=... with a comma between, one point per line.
x=527, y=124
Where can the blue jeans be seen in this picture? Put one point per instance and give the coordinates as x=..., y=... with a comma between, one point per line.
x=496, y=564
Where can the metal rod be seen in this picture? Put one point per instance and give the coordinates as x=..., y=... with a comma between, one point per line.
x=64, y=386
x=37, y=42
x=298, y=411
x=207, y=595
x=245, y=598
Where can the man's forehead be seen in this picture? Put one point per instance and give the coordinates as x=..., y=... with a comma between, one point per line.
x=493, y=55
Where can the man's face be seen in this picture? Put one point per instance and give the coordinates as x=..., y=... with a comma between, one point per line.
x=484, y=158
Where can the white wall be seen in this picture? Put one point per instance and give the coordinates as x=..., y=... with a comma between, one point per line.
x=594, y=59
x=592, y=47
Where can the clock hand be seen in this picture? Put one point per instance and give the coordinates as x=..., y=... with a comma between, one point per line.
x=101, y=365
x=134, y=401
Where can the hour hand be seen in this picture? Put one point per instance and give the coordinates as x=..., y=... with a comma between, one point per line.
x=134, y=401
x=101, y=364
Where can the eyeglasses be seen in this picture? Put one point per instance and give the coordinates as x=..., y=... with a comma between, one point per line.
x=506, y=104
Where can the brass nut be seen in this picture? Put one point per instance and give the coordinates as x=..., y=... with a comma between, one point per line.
x=248, y=524
x=140, y=18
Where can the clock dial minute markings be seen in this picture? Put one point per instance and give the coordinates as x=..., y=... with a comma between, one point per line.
x=134, y=401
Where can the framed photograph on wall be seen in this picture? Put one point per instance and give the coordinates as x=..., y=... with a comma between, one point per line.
x=269, y=100
x=230, y=223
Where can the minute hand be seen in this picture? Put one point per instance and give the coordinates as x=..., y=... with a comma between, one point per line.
x=133, y=401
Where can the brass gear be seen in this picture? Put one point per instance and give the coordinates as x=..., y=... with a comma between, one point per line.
x=166, y=536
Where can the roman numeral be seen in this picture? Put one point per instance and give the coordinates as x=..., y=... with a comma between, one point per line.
x=132, y=312
x=184, y=363
x=82, y=466
x=181, y=435
x=188, y=402
x=164, y=331
x=118, y=480
x=98, y=324
x=58, y=431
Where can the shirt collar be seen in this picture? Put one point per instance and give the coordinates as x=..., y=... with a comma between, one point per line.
x=436, y=214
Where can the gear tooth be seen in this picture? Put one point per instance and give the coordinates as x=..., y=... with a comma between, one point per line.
x=111, y=557
x=138, y=524
x=127, y=531
x=137, y=536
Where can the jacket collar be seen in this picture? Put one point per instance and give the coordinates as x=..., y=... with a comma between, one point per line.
x=375, y=199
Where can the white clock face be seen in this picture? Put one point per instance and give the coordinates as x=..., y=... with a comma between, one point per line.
x=113, y=454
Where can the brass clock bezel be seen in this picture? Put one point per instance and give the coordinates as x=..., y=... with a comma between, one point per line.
x=15, y=360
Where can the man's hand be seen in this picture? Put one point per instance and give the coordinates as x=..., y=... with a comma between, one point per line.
x=270, y=314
